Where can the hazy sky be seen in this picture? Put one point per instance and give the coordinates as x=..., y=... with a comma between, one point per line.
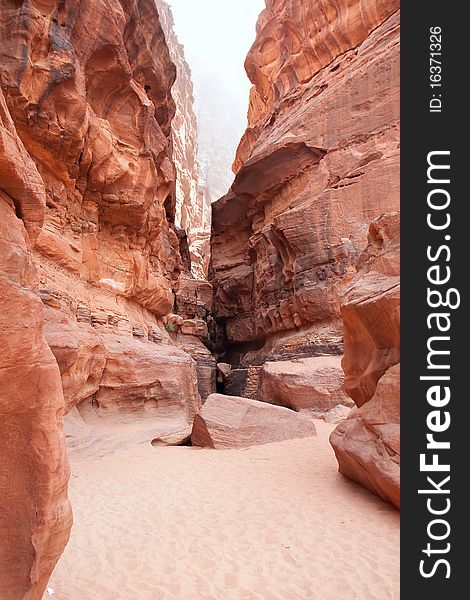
x=217, y=35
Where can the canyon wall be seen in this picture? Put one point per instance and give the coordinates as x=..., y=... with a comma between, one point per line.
x=318, y=162
x=89, y=90
x=35, y=516
x=193, y=207
x=98, y=305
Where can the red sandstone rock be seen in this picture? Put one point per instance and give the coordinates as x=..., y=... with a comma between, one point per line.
x=35, y=516
x=115, y=378
x=86, y=164
x=233, y=422
x=367, y=443
x=205, y=362
x=310, y=384
x=371, y=311
x=93, y=109
x=318, y=162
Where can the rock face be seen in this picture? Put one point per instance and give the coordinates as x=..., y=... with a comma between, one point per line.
x=313, y=385
x=318, y=162
x=193, y=209
x=88, y=87
x=367, y=443
x=35, y=516
x=233, y=422
x=89, y=90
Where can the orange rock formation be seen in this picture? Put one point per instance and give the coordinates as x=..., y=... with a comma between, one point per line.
x=367, y=443
x=318, y=162
x=35, y=515
x=90, y=257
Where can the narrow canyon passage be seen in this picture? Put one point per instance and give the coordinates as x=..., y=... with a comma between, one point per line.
x=139, y=276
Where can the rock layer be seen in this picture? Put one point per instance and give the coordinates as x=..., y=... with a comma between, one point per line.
x=318, y=162
x=233, y=422
x=367, y=443
x=35, y=516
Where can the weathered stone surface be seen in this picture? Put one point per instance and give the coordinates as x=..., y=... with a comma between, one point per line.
x=114, y=378
x=35, y=516
x=89, y=90
x=193, y=297
x=371, y=311
x=234, y=422
x=192, y=210
x=318, y=162
x=89, y=192
x=88, y=87
x=310, y=384
x=367, y=443
x=337, y=414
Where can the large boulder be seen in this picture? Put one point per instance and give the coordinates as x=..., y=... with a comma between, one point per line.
x=234, y=422
x=367, y=444
x=309, y=384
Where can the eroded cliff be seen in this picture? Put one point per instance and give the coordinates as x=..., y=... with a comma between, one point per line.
x=89, y=89
x=318, y=162
x=35, y=515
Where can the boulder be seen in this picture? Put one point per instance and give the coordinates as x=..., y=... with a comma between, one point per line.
x=367, y=443
x=234, y=422
x=308, y=384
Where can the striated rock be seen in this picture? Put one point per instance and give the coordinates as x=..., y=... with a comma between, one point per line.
x=35, y=516
x=310, y=384
x=371, y=311
x=318, y=162
x=193, y=298
x=113, y=378
x=192, y=210
x=89, y=90
x=367, y=443
x=233, y=422
x=80, y=354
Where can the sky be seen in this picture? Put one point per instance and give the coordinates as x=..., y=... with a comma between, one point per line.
x=216, y=35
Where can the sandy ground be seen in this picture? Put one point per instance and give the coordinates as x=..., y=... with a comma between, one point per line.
x=274, y=522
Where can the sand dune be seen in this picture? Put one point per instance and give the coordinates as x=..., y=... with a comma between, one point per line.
x=274, y=522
